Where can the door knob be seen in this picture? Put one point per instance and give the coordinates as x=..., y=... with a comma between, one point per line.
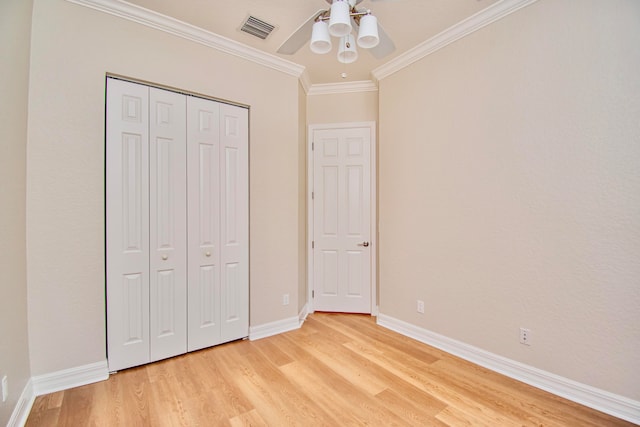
x=365, y=244
x=207, y=253
x=165, y=257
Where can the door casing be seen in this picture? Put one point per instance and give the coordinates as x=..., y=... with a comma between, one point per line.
x=374, y=207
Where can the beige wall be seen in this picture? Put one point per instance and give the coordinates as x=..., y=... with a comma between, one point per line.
x=15, y=31
x=510, y=190
x=73, y=47
x=342, y=107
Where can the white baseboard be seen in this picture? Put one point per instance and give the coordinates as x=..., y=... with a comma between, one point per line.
x=302, y=316
x=273, y=328
x=23, y=406
x=601, y=400
x=55, y=381
x=69, y=378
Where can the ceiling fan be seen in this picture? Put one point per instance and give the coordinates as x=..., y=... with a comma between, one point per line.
x=383, y=47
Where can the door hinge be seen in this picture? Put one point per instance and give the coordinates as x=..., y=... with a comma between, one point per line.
x=313, y=195
x=313, y=244
x=313, y=146
x=313, y=294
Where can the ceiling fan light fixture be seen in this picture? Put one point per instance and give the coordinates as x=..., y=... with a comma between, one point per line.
x=347, y=52
x=320, y=38
x=340, y=19
x=368, y=33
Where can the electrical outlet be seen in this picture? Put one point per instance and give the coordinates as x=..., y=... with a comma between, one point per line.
x=285, y=299
x=5, y=388
x=420, y=307
x=525, y=336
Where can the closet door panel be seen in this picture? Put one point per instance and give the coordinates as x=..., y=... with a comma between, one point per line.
x=168, y=224
x=127, y=224
x=203, y=159
x=234, y=222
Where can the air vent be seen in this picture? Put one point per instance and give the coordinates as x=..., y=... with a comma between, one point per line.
x=257, y=27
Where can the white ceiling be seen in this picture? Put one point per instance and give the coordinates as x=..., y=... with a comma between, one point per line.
x=407, y=22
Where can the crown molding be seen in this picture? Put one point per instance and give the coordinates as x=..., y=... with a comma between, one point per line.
x=305, y=81
x=146, y=17
x=473, y=23
x=343, y=87
x=178, y=28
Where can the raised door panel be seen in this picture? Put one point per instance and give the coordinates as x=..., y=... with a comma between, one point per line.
x=234, y=222
x=127, y=224
x=168, y=224
x=203, y=160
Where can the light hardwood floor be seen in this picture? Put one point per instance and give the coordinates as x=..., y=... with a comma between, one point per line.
x=337, y=370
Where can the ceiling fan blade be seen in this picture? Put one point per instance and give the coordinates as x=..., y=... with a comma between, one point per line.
x=386, y=45
x=299, y=36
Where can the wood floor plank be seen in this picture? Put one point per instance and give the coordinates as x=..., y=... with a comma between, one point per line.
x=248, y=419
x=272, y=352
x=452, y=416
x=292, y=344
x=337, y=370
x=411, y=409
x=75, y=415
x=362, y=327
x=268, y=390
x=356, y=369
x=45, y=411
x=379, y=381
x=510, y=396
x=423, y=376
x=348, y=404
x=109, y=402
x=195, y=396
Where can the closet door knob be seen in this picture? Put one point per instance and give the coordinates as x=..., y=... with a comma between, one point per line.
x=165, y=257
x=207, y=253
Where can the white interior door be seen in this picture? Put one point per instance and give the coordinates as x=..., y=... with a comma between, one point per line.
x=168, y=224
x=127, y=221
x=342, y=244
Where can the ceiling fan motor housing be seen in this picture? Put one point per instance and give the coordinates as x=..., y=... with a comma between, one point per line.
x=352, y=3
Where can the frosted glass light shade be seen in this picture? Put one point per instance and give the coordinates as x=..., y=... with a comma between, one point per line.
x=347, y=52
x=368, y=33
x=339, y=21
x=320, y=38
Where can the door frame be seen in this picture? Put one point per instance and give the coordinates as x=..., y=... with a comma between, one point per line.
x=374, y=207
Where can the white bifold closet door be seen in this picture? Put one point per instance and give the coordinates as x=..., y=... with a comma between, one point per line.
x=177, y=223
x=217, y=153
x=167, y=224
